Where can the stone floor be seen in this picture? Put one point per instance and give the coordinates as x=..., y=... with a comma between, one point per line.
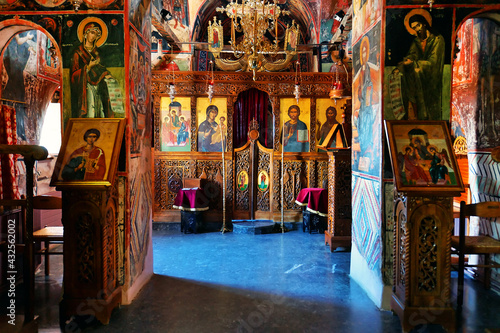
x=213, y=282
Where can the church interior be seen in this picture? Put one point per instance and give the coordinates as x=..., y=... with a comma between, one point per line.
x=292, y=162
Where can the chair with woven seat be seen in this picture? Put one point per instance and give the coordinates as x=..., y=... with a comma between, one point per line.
x=481, y=245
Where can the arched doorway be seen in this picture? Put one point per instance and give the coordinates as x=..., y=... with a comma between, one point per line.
x=253, y=156
x=253, y=104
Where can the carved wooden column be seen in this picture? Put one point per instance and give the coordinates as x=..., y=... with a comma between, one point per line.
x=422, y=263
x=90, y=254
x=339, y=199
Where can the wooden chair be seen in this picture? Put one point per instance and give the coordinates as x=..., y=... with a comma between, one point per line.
x=49, y=234
x=481, y=245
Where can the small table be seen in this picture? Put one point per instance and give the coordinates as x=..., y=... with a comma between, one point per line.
x=315, y=208
x=192, y=202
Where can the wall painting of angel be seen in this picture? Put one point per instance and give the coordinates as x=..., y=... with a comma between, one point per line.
x=422, y=156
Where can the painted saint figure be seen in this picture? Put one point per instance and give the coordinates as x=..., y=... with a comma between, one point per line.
x=87, y=162
x=89, y=90
x=207, y=129
x=331, y=119
x=183, y=134
x=295, y=133
x=422, y=70
x=438, y=169
x=414, y=173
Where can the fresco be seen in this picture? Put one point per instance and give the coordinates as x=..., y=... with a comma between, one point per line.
x=365, y=14
x=175, y=131
x=141, y=199
x=139, y=140
x=367, y=231
x=295, y=124
x=463, y=59
x=93, y=61
x=140, y=18
x=366, y=117
x=140, y=80
x=48, y=60
x=30, y=68
x=476, y=97
x=19, y=56
x=417, y=77
x=58, y=4
x=212, y=124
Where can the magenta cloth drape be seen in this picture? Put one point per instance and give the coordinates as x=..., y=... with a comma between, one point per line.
x=8, y=135
x=191, y=199
x=251, y=104
x=316, y=200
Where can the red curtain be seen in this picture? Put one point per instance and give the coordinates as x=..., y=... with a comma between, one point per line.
x=251, y=104
x=8, y=135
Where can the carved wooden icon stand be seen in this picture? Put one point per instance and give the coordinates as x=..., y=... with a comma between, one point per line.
x=423, y=224
x=338, y=233
x=90, y=218
x=422, y=262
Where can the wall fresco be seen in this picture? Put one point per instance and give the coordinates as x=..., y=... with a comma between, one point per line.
x=59, y=4
x=93, y=66
x=139, y=144
x=475, y=98
x=367, y=228
x=140, y=17
x=366, y=124
x=417, y=77
x=365, y=14
x=139, y=83
x=30, y=68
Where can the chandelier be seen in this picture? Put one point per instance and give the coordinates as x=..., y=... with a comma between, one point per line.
x=253, y=18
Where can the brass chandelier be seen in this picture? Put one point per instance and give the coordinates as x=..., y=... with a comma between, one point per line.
x=253, y=18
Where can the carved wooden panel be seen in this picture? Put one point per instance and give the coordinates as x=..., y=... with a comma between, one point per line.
x=168, y=180
x=264, y=164
x=90, y=252
x=422, y=261
x=242, y=163
x=293, y=180
x=213, y=188
x=339, y=193
x=322, y=180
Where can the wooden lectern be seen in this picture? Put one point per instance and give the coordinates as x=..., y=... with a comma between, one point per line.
x=89, y=215
x=426, y=180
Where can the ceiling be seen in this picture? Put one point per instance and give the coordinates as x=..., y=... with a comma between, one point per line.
x=314, y=18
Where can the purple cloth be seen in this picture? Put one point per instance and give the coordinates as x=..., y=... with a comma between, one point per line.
x=316, y=200
x=191, y=199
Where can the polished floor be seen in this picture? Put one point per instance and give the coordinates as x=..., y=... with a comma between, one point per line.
x=213, y=282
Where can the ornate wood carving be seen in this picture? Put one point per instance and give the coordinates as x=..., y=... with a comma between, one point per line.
x=264, y=163
x=91, y=263
x=311, y=166
x=322, y=180
x=422, y=255
x=194, y=127
x=85, y=248
x=339, y=199
x=157, y=120
x=242, y=163
x=312, y=136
